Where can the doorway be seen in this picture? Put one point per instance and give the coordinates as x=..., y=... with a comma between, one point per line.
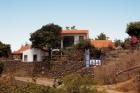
x=35, y=57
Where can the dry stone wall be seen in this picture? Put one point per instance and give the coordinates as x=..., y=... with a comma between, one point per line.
x=57, y=69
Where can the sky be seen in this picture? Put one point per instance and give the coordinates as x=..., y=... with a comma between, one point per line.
x=19, y=18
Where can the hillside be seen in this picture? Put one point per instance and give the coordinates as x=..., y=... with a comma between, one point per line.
x=120, y=66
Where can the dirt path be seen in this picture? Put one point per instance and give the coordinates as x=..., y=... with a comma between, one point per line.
x=108, y=89
x=40, y=81
x=113, y=88
x=113, y=91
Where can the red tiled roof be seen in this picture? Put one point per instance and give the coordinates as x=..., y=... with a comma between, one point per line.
x=22, y=49
x=101, y=43
x=75, y=32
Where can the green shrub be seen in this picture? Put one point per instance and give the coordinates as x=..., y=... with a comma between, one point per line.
x=74, y=54
x=75, y=83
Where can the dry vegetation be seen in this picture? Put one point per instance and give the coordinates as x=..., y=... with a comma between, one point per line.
x=74, y=83
x=122, y=68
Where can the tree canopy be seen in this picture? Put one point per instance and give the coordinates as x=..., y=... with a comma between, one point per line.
x=133, y=29
x=71, y=28
x=5, y=50
x=118, y=42
x=49, y=36
x=102, y=36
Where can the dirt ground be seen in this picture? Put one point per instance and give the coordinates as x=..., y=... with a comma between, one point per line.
x=122, y=87
x=40, y=81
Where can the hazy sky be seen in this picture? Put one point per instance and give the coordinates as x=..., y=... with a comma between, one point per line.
x=19, y=18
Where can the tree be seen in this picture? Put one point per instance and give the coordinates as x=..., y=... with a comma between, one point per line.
x=133, y=29
x=102, y=36
x=48, y=37
x=118, y=42
x=73, y=28
x=5, y=50
x=67, y=28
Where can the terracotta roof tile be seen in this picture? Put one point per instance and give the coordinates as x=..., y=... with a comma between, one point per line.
x=101, y=43
x=22, y=49
x=75, y=32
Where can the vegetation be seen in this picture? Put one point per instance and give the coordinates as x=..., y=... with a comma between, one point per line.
x=133, y=29
x=5, y=50
x=29, y=88
x=118, y=43
x=71, y=28
x=74, y=54
x=74, y=83
x=77, y=52
x=49, y=36
x=83, y=45
x=102, y=36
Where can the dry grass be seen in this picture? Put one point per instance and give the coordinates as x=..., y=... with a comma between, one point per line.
x=108, y=74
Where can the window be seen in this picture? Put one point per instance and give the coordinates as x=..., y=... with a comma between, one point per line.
x=68, y=41
x=35, y=57
x=25, y=58
x=81, y=38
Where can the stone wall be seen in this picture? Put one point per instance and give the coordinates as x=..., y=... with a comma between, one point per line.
x=57, y=69
x=18, y=68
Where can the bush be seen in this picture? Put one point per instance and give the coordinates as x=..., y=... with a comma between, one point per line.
x=74, y=54
x=76, y=83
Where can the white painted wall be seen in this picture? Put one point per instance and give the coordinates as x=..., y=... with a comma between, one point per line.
x=31, y=52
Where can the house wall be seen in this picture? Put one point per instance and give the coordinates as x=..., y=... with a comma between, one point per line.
x=31, y=52
x=76, y=38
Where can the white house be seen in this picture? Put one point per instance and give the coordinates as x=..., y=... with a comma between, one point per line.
x=28, y=54
x=33, y=55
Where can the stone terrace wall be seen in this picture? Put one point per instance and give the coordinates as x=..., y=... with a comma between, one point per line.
x=18, y=68
x=58, y=69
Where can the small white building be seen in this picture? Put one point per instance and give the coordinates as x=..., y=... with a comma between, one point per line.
x=28, y=54
x=33, y=55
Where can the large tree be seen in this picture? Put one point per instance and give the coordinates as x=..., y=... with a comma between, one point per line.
x=102, y=36
x=5, y=50
x=133, y=29
x=47, y=37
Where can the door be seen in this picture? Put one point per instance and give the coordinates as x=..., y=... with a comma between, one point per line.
x=35, y=57
x=25, y=58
